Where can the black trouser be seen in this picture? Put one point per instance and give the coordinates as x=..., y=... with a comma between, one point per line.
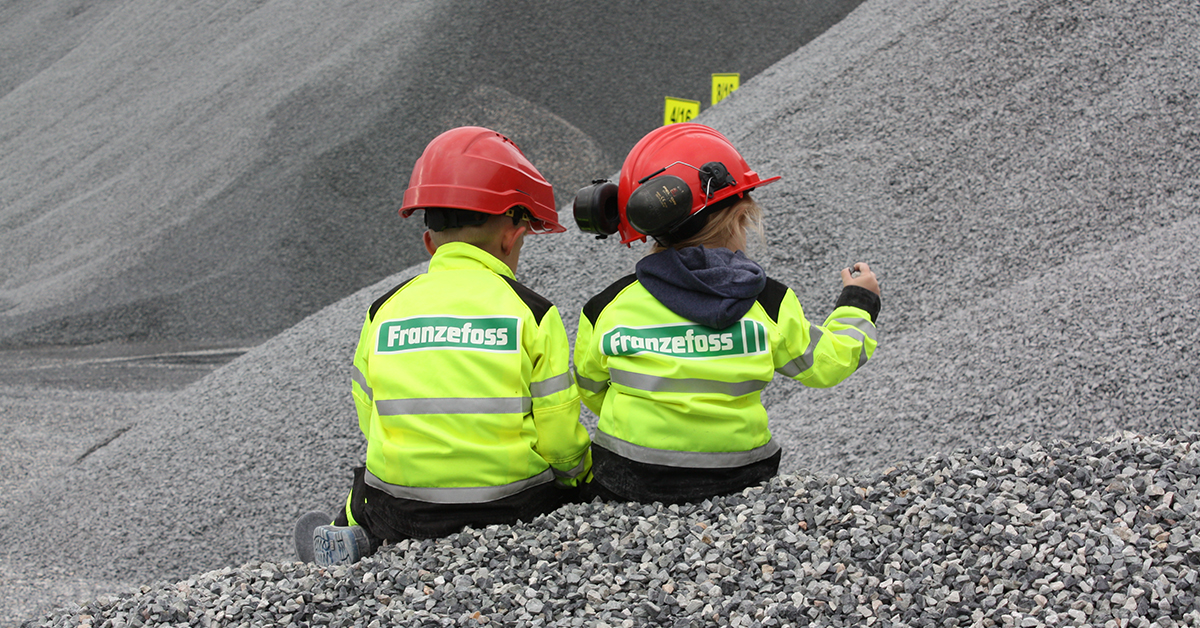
x=393, y=519
x=616, y=478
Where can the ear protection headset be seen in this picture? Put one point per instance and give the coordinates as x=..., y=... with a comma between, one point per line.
x=596, y=208
x=664, y=205
x=660, y=207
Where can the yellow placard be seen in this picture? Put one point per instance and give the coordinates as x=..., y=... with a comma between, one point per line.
x=680, y=110
x=724, y=85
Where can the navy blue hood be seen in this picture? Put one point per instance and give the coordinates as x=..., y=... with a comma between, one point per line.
x=713, y=287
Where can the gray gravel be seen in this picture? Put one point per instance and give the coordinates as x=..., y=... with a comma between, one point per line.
x=1101, y=533
x=1023, y=178
x=217, y=171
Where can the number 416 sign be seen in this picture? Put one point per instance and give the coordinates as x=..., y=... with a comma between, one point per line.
x=680, y=110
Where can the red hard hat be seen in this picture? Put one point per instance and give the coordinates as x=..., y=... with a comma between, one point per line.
x=682, y=150
x=480, y=170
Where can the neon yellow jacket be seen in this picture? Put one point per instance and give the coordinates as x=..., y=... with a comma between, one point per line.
x=672, y=392
x=462, y=384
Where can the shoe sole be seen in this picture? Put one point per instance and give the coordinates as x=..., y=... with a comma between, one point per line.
x=334, y=546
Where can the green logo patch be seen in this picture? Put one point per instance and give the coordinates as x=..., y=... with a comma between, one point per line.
x=479, y=333
x=747, y=337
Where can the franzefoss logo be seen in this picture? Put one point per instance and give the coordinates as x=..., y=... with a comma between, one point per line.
x=747, y=337
x=480, y=333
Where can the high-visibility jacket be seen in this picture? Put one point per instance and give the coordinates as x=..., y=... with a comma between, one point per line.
x=672, y=392
x=462, y=384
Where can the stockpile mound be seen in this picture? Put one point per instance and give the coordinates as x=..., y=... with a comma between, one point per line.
x=216, y=172
x=1097, y=533
x=1021, y=175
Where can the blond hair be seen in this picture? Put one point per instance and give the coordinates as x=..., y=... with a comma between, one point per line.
x=725, y=227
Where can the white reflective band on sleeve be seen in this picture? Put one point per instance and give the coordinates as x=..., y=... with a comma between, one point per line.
x=590, y=385
x=651, y=383
x=458, y=495
x=804, y=362
x=358, y=376
x=861, y=324
x=455, y=405
x=548, y=387
x=693, y=459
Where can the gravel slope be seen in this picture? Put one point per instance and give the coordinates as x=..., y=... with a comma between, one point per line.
x=1100, y=533
x=217, y=171
x=1022, y=177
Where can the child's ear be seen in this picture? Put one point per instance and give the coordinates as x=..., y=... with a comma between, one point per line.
x=429, y=245
x=510, y=239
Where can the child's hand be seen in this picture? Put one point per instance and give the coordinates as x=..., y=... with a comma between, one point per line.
x=864, y=279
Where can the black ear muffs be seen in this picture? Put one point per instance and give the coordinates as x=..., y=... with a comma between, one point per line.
x=595, y=209
x=659, y=204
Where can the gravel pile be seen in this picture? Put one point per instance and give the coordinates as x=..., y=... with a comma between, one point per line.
x=1023, y=177
x=218, y=171
x=1101, y=533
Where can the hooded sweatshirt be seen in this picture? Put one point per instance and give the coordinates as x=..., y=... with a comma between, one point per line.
x=713, y=287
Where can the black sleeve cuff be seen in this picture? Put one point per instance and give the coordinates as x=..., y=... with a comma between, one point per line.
x=857, y=296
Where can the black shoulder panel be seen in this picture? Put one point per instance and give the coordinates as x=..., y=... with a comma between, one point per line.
x=600, y=301
x=383, y=299
x=772, y=297
x=537, y=303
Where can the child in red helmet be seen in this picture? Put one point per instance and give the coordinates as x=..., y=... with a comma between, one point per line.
x=461, y=377
x=673, y=358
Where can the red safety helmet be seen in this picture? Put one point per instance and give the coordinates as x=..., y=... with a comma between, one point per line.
x=480, y=170
x=662, y=163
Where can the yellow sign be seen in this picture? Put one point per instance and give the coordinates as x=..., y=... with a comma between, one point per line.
x=680, y=110
x=724, y=85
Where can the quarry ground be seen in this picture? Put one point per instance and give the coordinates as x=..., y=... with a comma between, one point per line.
x=60, y=404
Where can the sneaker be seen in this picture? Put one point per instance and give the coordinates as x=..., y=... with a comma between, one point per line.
x=339, y=545
x=305, y=527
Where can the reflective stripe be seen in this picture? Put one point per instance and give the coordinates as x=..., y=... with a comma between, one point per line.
x=651, y=383
x=358, y=376
x=861, y=325
x=458, y=494
x=573, y=473
x=548, y=387
x=693, y=459
x=861, y=330
x=455, y=405
x=804, y=362
x=590, y=385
